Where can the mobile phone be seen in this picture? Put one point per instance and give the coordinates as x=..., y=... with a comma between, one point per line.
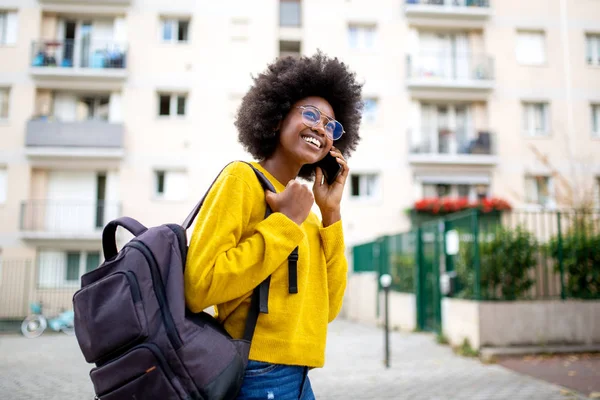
x=330, y=167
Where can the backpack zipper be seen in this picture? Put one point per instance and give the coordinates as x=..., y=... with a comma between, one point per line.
x=159, y=289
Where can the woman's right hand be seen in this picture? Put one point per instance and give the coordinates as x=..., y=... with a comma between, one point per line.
x=295, y=202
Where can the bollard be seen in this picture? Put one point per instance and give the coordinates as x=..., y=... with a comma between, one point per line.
x=386, y=281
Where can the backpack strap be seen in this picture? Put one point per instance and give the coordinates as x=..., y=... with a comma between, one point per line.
x=259, y=302
x=293, y=257
x=109, y=245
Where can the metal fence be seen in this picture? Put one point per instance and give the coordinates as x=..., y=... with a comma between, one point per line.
x=493, y=256
x=524, y=255
x=49, y=281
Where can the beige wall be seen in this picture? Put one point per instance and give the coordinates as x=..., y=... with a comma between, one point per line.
x=214, y=68
x=460, y=321
x=521, y=323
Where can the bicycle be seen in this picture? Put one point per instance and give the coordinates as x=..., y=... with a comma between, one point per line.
x=36, y=323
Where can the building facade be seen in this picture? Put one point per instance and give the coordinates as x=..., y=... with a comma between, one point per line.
x=126, y=107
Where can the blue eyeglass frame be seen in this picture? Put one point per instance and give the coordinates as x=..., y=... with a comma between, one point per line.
x=329, y=120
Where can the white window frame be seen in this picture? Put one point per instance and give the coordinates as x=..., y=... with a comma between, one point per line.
x=528, y=120
x=363, y=186
x=4, y=103
x=173, y=104
x=362, y=36
x=595, y=114
x=370, y=117
x=524, y=52
x=592, y=49
x=174, y=22
x=3, y=184
x=531, y=181
x=60, y=269
x=171, y=176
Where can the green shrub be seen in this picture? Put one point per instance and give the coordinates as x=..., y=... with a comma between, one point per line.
x=581, y=262
x=402, y=270
x=506, y=258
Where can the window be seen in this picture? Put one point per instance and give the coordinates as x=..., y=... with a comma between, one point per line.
x=370, y=110
x=531, y=48
x=92, y=108
x=539, y=190
x=289, y=48
x=596, y=120
x=472, y=192
x=175, y=30
x=592, y=44
x=290, y=13
x=4, y=97
x=8, y=27
x=170, y=185
x=3, y=184
x=239, y=29
x=64, y=268
x=172, y=104
x=361, y=36
x=536, y=120
x=364, y=185
x=3, y=27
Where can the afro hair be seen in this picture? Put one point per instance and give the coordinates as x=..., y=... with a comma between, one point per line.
x=288, y=80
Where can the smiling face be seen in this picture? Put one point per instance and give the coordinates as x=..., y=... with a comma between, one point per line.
x=300, y=143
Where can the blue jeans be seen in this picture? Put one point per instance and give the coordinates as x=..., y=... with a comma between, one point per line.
x=264, y=381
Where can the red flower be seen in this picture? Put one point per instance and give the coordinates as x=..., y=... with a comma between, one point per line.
x=449, y=205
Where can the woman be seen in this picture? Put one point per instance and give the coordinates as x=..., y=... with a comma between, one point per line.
x=288, y=121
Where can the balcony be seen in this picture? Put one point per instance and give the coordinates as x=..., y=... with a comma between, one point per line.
x=88, y=2
x=92, y=139
x=440, y=71
x=52, y=220
x=448, y=9
x=87, y=60
x=453, y=147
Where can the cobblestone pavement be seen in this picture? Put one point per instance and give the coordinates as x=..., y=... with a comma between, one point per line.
x=51, y=367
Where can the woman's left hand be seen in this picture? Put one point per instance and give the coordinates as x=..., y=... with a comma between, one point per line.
x=328, y=197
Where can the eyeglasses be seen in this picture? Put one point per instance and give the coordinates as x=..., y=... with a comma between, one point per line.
x=311, y=116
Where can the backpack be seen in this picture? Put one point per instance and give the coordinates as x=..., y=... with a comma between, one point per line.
x=132, y=322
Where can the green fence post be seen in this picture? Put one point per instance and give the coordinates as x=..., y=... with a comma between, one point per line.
x=476, y=260
x=561, y=265
x=376, y=252
x=419, y=280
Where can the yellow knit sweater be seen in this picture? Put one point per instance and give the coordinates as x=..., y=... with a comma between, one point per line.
x=233, y=249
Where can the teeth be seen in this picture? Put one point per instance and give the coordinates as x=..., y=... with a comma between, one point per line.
x=312, y=140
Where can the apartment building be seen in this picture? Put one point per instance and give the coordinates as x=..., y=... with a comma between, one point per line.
x=126, y=107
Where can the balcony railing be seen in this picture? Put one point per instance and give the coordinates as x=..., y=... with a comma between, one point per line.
x=49, y=132
x=68, y=217
x=455, y=144
x=90, y=2
x=79, y=54
x=451, y=3
x=440, y=68
x=478, y=9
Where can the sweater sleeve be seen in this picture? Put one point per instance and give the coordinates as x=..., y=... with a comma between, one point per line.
x=225, y=262
x=332, y=238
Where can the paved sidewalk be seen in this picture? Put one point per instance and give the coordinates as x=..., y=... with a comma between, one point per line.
x=420, y=370
x=51, y=367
